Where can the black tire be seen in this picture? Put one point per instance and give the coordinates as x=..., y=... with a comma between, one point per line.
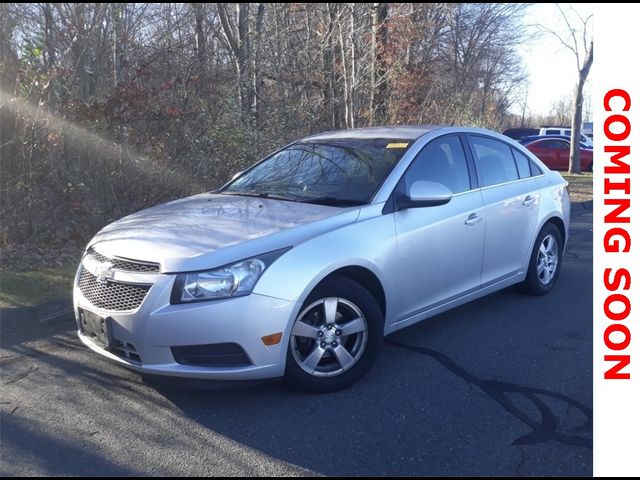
x=343, y=288
x=534, y=284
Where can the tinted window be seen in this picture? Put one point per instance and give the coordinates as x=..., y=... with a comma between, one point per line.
x=553, y=132
x=522, y=162
x=443, y=161
x=545, y=144
x=335, y=172
x=557, y=144
x=494, y=161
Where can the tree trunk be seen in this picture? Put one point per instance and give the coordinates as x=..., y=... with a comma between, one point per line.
x=346, y=79
x=328, y=65
x=244, y=49
x=353, y=65
x=576, y=124
x=78, y=49
x=524, y=106
x=379, y=82
x=240, y=45
x=255, y=74
x=201, y=46
x=118, y=51
x=50, y=57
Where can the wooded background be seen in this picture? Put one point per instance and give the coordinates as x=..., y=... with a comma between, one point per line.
x=109, y=108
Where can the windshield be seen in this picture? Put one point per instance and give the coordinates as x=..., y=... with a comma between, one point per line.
x=336, y=172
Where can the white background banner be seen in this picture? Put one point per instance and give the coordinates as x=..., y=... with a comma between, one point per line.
x=616, y=220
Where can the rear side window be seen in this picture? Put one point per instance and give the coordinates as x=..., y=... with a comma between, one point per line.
x=553, y=132
x=545, y=144
x=443, y=161
x=522, y=162
x=556, y=144
x=494, y=161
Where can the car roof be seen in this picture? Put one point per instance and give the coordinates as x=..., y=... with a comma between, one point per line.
x=538, y=138
x=405, y=132
x=547, y=137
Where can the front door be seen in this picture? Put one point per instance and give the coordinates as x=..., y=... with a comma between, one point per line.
x=440, y=248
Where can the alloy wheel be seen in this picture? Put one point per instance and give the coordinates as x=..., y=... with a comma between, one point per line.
x=329, y=337
x=547, y=259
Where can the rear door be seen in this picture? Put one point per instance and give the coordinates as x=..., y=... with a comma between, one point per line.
x=512, y=199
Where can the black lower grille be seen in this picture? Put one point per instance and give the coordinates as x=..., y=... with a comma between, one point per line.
x=212, y=355
x=114, y=296
x=126, y=350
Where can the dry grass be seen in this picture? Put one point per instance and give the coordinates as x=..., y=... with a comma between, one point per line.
x=33, y=287
x=580, y=186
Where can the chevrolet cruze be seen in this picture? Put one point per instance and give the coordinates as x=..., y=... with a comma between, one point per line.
x=300, y=265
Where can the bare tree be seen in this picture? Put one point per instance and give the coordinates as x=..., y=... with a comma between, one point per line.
x=109, y=108
x=580, y=42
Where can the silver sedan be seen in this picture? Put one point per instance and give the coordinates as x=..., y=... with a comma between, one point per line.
x=300, y=265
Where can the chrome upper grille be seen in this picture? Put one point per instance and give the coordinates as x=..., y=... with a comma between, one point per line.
x=115, y=296
x=124, y=264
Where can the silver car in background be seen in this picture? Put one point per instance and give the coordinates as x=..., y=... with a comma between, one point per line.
x=300, y=265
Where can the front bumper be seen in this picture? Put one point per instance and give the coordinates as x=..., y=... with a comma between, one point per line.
x=156, y=326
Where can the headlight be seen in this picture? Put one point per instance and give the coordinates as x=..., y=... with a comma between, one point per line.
x=234, y=280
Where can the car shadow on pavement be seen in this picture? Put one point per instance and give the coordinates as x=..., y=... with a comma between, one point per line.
x=481, y=383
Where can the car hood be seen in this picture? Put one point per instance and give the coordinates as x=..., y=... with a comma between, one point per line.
x=209, y=230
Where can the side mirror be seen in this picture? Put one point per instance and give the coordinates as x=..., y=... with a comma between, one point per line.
x=425, y=194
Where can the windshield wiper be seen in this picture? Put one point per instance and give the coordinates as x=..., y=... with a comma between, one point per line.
x=333, y=201
x=251, y=193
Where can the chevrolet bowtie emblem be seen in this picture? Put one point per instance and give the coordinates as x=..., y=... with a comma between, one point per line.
x=104, y=272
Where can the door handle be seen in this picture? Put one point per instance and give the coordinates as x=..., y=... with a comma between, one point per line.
x=528, y=201
x=473, y=220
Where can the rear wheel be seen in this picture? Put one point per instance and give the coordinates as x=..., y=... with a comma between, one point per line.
x=545, y=262
x=335, y=338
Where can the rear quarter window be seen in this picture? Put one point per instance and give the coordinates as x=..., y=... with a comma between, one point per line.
x=535, y=169
x=522, y=162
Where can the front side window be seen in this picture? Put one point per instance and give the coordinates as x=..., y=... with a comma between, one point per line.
x=494, y=161
x=332, y=172
x=443, y=161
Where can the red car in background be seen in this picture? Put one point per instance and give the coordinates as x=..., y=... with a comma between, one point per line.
x=554, y=153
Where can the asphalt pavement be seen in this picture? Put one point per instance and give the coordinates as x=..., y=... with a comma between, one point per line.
x=500, y=386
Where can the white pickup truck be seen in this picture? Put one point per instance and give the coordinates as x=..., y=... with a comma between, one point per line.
x=551, y=130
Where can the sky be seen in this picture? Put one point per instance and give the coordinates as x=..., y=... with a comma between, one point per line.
x=551, y=66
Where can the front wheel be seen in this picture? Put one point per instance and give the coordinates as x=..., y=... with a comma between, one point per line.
x=335, y=339
x=545, y=262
